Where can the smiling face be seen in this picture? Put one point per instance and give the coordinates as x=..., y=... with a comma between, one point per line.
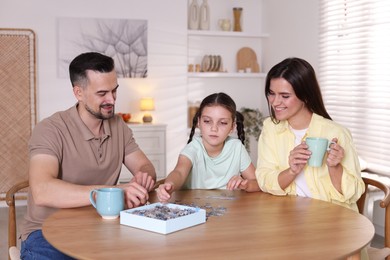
x=98, y=97
x=215, y=124
x=286, y=105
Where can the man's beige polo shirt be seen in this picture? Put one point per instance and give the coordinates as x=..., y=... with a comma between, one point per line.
x=83, y=159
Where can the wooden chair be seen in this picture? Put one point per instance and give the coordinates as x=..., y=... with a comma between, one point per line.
x=375, y=253
x=14, y=252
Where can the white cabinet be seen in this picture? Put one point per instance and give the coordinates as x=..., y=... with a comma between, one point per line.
x=151, y=138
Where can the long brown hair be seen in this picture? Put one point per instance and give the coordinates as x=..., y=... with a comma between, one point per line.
x=301, y=75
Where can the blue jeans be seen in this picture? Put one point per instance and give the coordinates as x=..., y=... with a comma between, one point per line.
x=37, y=247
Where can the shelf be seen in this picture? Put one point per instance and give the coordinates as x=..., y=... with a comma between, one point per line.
x=225, y=75
x=225, y=34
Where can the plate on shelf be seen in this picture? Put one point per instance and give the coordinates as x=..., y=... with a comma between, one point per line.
x=212, y=63
x=215, y=63
x=220, y=69
x=218, y=63
x=205, y=63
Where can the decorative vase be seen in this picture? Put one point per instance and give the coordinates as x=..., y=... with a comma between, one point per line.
x=193, y=15
x=237, y=11
x=204, y=16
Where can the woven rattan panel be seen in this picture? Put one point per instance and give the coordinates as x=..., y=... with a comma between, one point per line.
x=17, y=104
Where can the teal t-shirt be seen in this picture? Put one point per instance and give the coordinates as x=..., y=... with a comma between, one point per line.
x=214, y=173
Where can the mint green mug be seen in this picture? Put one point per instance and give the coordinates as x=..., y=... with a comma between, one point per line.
x=318, y=147
x=109, y=201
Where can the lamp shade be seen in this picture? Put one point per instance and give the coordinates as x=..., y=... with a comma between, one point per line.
x=147, y=104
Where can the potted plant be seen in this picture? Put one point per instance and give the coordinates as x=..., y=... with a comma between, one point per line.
x=253, y=123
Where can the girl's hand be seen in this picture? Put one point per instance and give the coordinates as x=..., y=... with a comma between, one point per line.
x=335, y=154
x=164, y=192
x=298, y=158
x=236, y=182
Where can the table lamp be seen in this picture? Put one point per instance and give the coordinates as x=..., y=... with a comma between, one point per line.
x=147, y=104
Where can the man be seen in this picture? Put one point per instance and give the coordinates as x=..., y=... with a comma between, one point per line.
x=80, y=149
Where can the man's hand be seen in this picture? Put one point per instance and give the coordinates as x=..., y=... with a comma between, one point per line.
x=135, y=194
x=144, y=179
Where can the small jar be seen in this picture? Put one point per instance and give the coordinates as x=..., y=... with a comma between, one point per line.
x=237, y=11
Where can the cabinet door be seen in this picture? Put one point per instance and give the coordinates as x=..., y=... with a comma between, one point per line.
x=150, y=142
x=158, y=161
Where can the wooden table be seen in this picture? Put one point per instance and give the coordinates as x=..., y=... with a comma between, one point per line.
x=254, y=226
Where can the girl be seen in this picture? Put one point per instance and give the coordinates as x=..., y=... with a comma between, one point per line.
x=213, y=160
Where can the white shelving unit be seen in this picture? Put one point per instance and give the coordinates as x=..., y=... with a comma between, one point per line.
x=237, y=84
x=224, y=75
x=225, y=34
x=246, y=89
x=226, y=45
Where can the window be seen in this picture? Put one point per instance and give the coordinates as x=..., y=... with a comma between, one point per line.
x=354, y=73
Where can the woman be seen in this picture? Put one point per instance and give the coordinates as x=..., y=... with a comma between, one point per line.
x=297, y=111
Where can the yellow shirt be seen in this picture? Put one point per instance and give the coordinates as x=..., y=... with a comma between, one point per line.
x=275, y=143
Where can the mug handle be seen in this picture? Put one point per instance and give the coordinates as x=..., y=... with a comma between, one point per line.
x=91, y=198
x=329, y=144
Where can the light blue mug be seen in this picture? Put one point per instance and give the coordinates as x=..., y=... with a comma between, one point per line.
x=318, y=147
x=109, y=202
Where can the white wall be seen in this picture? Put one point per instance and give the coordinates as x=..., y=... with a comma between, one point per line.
x=167, y=54
x=292, y=26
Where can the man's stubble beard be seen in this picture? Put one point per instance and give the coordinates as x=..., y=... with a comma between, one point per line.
x=99, y=115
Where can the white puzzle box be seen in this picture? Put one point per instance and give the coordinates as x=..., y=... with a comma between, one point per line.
x=163, y=218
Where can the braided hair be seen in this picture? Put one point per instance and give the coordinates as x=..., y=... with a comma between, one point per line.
x=224, y=100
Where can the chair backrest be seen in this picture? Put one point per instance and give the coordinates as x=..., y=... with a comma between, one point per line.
x=384, y=203
x=10, y=199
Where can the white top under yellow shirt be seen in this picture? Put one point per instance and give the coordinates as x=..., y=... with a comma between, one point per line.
x=277, y=140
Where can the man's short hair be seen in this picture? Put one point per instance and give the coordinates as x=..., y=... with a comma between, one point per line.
x=88, y=61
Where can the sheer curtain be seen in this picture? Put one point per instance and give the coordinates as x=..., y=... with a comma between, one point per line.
x=354, y=73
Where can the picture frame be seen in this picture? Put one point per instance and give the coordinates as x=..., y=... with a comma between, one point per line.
x=125, y=40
